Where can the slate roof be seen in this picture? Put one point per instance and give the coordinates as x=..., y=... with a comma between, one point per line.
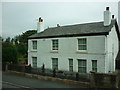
x=95, y=28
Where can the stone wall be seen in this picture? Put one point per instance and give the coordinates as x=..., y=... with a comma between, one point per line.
x=102, y=80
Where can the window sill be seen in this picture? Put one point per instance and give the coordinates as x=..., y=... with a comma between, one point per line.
x=54, y=51
x=81, y=51
x=33, y=50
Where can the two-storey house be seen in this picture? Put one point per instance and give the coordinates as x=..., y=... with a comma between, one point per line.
x=78, y=48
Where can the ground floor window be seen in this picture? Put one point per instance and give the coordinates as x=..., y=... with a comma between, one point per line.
x=71, y=65
x=82, y=66
x=34, y=62
x=55, y=63
x=94, y=65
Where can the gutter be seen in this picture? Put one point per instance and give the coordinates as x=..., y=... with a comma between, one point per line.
x=70, y=35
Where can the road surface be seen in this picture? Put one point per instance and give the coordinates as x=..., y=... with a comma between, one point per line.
x=10, y=80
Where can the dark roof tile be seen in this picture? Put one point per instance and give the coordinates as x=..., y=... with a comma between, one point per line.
x=79, y=29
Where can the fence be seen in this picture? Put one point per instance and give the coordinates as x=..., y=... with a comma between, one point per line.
x=48, y=72
x=96, y=80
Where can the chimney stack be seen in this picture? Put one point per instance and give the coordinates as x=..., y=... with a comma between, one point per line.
x=113, y=16
x=107, y=8
x=58, y=25
x=107, y=17
x=40, y=19
x=40, y=26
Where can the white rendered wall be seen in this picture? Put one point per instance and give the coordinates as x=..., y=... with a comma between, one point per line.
x=68, y=49
x=111, y=50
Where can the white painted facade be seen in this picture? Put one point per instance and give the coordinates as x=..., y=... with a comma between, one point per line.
x=112, y=47
x=101, y=48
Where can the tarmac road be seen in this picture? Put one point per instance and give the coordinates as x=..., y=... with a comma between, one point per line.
x=10, y=80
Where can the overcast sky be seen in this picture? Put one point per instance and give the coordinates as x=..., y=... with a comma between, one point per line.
x=18, y=17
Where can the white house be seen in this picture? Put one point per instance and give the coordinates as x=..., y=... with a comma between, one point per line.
x=78, y=48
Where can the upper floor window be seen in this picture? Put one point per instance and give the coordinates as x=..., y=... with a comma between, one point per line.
x=55, y=44
x=82, y=44
x=34, y=43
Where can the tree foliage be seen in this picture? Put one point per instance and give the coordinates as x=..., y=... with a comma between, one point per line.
x=21, y=48
x=7, y=39
x=16, y=48
x=23, y=37
x=9, y=52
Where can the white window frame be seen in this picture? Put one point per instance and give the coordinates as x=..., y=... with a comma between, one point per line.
x=94, y=68
x=34, y=47
x=82, y=67
x=70, y=65
x=54, y=64
x=78, y=45
x=55, y=45
x=34, y=62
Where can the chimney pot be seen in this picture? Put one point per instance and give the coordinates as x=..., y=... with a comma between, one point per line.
x=58, y=25
x=40, y=19
x=112, y=16
x=107, y=8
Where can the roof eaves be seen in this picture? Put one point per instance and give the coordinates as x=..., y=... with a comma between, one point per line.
x=72, y=35
x=117, y=30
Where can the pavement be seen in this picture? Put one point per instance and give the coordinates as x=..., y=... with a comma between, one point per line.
x=12, y=80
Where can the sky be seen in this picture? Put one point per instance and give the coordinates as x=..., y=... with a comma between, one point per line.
x=18, y=17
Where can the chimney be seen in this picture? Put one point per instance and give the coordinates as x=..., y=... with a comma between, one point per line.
x=40, y=26
x=107, y=17
x=107, y=8
x=113, y=16
x=58, y=25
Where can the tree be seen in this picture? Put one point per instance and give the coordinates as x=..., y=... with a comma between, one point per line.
x=9, y=52
x=23, y=38
x=7, y=39
x=22, y=45
x=21, y=48
x=18, y=51
x=12, y=40
x=1, y=39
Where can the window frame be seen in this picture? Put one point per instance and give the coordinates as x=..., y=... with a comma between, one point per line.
x=70, y=66
x=79, y=44
x=95, y=67
x=34, y=60
x=34, y=47
x=54, y=64
x=55, y=45
x=83, y=66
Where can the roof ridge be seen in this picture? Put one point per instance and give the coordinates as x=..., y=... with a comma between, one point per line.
x=75, y=24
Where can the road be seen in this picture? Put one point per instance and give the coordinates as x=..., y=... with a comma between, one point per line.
x=10, y=80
